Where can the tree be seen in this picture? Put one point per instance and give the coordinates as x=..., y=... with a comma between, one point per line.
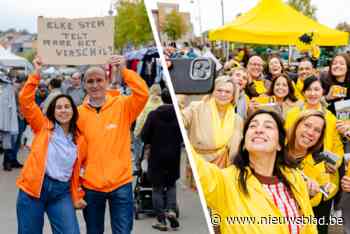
x=131, y=24
x=11, y=30
x=304, y=6
x=29, y=55
x=23, y=31
x=174, y=26
x=344, y=26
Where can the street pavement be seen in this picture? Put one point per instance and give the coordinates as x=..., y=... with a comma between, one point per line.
x=191, y=219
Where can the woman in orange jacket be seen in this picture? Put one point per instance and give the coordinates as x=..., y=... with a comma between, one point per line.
x=49, y=181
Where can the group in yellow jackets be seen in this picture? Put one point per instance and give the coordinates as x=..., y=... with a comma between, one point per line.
x=314, y=175
x=331, y=141
x=312, y=129
x=236, y=193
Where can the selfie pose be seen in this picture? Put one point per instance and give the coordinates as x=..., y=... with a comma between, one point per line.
x=259, y=183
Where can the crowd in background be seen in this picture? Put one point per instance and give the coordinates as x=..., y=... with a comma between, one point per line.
x=115, y=93
x=308, y=101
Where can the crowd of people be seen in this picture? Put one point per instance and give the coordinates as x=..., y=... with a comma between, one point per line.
x=288, y=159
x=89, y=131
x=267, y=142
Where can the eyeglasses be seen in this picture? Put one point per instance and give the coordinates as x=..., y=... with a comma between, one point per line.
x=255, y=64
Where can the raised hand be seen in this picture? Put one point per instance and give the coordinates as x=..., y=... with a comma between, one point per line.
x=118, y=62
x=37, y=62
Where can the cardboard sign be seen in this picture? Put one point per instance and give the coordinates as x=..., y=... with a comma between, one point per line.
x=75, y=41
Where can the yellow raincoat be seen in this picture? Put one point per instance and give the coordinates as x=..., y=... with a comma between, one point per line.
x=332, y=141
x=222, y=194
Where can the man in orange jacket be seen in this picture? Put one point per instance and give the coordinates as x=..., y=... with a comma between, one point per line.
x=105, y=121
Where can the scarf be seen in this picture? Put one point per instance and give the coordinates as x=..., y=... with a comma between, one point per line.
x=224, y=128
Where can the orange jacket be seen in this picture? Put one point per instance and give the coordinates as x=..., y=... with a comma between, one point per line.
x=32, y=174
x=108, y=163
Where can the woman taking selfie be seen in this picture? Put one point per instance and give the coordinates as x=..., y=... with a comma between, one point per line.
x=259, y=184
x=49, y=181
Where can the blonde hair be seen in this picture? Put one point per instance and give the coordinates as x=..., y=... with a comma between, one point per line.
x=226, y=79
x=239, y=69
x=155, y=90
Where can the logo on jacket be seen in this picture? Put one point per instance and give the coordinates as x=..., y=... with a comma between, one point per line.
x=111, y=126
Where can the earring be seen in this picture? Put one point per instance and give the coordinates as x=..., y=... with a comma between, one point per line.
x=278, y=148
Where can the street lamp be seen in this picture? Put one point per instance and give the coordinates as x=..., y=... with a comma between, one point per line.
x=112, y=6
x=222, y=12
x=199, y=15
x=110, y=12
x=225, y=46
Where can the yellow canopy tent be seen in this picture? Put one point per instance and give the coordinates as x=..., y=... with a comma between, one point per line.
x=276, y=23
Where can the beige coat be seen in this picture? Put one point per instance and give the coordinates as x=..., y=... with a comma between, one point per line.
x=197, y=121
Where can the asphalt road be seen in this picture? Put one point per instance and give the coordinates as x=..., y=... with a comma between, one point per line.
x=191, y=219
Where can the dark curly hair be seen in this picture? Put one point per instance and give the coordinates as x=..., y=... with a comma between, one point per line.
x=241, y=161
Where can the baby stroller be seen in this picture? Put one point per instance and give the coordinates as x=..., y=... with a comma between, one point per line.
x=143, y=191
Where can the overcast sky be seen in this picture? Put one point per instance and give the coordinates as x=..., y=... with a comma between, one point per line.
x=22, y=14
x=329, y=12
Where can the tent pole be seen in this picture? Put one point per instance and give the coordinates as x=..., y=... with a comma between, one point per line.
x=228, y=50
x=290, y=54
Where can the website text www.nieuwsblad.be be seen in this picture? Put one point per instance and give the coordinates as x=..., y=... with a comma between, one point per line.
x=302, y=220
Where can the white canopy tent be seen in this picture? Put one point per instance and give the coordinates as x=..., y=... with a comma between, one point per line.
x=8, y=59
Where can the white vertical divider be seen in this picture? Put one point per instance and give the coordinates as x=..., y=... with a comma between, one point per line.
x=179, y=117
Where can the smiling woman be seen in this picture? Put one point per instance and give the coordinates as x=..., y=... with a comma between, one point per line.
x=304, y=139
x=54, y=162
x=214, y=128
x=260, y=184
x=331, y=142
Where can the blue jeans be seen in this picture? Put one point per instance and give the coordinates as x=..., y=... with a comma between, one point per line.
x=164, y=199
x=120, y=207
x=55, y=199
